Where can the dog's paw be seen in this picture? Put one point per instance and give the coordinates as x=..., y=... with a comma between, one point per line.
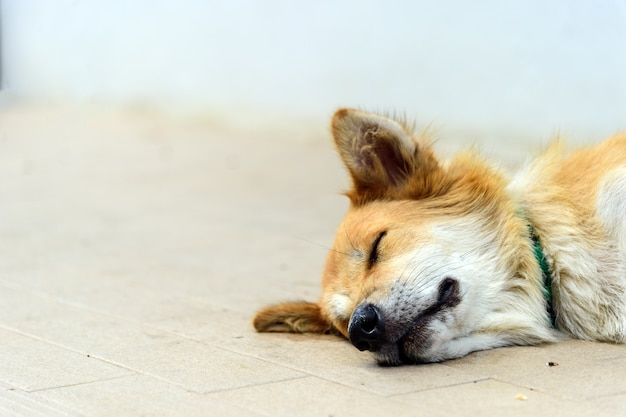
x=292, y=317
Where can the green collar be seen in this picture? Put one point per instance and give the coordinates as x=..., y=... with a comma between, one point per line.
x=545, y=272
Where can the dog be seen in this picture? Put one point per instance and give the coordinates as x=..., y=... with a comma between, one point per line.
x=435, y=260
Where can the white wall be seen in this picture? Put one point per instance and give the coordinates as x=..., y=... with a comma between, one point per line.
x=528, y=66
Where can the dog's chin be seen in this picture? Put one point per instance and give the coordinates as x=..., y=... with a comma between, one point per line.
x=395, y=355
x=410, y=349
x=389, y=355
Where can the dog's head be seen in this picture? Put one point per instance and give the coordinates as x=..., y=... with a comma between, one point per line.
x=431, y=261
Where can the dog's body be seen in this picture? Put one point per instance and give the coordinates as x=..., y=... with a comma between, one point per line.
x=434, y=261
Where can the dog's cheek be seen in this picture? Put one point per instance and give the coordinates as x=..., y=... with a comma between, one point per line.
x=338, y=308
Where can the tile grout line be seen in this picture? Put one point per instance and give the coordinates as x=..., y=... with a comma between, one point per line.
x=133, y=372
x=68, y=303
x=136, y=372
x=59, y=345
x=222, y=348
x=113, y=378
x=217, y=391
x=458, y=384
x=81, y=306
x=34, y=403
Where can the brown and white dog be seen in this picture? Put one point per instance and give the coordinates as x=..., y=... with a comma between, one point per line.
x=436, y=260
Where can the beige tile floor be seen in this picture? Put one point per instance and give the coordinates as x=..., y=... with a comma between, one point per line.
x=135, y=250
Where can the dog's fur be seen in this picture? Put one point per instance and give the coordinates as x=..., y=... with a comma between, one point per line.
x=435, y=260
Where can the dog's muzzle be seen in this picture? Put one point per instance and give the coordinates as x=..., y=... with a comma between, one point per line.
x=366, y=329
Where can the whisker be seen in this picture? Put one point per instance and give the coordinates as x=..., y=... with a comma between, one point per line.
x=322, y=246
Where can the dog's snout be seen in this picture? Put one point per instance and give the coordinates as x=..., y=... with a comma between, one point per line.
x=366, y=328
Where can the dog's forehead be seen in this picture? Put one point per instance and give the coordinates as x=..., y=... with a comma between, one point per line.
x=369, y=220
x=382, y=214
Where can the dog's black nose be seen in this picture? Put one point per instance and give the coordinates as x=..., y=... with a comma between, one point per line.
x=366, y=329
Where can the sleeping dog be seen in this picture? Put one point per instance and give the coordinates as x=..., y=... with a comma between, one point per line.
x=435, y=260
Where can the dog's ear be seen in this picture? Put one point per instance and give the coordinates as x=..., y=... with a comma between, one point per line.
x=382, y=157
x=293, y=317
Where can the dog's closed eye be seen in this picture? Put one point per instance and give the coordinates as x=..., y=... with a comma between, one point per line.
x=374, y=251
